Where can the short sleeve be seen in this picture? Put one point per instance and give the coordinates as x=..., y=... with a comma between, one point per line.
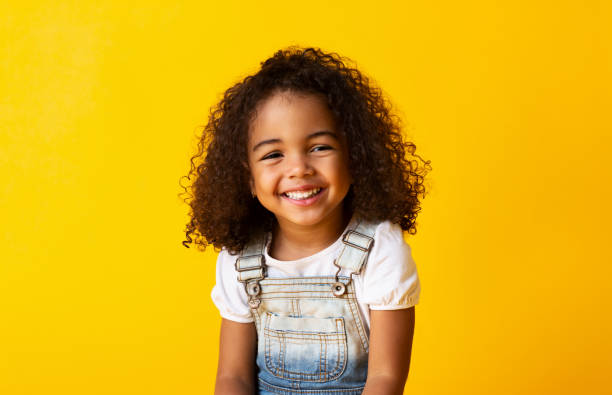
x=228, y=294
x=390, y=280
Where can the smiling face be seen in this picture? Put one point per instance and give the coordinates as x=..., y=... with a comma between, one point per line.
x=298, y=161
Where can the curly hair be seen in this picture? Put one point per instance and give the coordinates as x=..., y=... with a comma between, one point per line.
x=387, y=178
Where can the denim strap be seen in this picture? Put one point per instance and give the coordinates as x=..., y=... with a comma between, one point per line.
x=251, y=269
x=357, y=245
x=250, y=264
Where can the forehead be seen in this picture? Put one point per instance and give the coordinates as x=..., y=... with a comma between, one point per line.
x=289, y=111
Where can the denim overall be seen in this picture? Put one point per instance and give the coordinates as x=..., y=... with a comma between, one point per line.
x=310, y=335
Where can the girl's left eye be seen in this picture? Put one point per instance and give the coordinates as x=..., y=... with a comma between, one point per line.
x=321, y=148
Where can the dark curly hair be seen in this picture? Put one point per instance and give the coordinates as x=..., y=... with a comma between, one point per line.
x=387, y=177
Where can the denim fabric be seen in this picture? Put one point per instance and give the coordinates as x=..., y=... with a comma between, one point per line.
x=309, y=340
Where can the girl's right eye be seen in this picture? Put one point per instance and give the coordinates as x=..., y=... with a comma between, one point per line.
x=271, y=155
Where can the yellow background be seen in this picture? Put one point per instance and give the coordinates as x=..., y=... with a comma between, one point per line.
x=100, y=104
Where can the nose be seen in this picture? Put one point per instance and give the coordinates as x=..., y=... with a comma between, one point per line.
x=299, y=166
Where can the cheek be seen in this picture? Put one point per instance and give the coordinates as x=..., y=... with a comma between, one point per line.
x=262, y=179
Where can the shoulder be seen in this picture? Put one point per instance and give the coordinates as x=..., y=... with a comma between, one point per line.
x=228, y=293
x=388, y=228
x=225, y=267
x=226, y=256
x=390, y=279
x=389, y=237
x=225, y=262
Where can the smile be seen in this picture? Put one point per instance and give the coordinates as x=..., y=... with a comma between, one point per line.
x=302, y=195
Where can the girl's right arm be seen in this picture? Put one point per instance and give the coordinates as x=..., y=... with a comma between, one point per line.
x=236, y=372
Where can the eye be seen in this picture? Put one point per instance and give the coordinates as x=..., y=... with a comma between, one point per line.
x=272, y=155
x=321, y=147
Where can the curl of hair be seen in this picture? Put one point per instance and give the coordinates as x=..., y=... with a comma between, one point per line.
x=388, y=175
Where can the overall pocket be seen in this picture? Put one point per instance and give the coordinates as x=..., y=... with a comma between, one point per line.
x=305, y=348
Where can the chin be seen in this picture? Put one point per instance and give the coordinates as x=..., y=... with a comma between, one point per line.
x=304, y=221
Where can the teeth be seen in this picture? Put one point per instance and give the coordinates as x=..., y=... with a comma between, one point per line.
x=303, y=194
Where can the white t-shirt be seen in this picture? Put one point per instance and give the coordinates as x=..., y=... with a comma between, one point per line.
x=389, y=280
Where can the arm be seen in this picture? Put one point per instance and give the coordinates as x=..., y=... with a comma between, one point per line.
x=391, y=333
x=237, y=353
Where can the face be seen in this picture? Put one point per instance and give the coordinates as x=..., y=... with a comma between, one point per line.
x=298, y=161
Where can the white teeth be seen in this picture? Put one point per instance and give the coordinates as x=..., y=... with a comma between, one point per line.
x=303, y=194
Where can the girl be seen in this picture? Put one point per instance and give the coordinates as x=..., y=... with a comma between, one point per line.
x=305, y=185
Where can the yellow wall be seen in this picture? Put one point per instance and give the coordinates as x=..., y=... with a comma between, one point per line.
x=99, y=108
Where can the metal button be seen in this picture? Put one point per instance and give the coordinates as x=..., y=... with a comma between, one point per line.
x=338, y=288
x=253, y=289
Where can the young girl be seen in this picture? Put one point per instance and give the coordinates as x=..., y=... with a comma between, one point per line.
x=305, y=185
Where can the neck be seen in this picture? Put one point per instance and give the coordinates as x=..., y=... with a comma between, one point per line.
x=291, y=241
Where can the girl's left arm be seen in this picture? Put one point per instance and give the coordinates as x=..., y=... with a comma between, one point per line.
x=391, y=333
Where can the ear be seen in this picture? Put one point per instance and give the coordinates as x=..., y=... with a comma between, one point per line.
x=246, y=167
x=252, y=187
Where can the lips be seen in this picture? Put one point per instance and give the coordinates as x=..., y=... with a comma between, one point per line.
x=302, y=194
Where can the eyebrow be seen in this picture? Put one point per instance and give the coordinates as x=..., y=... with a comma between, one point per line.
x=310, y=136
